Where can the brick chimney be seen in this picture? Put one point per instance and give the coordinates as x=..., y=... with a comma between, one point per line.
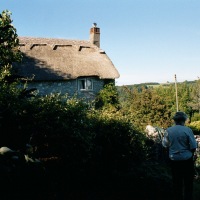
x=95, y=35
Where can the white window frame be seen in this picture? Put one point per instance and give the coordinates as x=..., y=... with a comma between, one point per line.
x=85, y=84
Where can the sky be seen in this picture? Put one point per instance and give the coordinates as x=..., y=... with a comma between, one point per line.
x=147, y=40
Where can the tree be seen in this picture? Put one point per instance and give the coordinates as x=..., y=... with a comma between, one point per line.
x=108, y=97
x=10, y=103
x=9, y=44
x=196, y=96
x=151, y=105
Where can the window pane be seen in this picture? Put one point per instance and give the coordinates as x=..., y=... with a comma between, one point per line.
x=82, y=84
x=89, y=84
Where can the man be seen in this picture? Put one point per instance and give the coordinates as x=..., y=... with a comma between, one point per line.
x=182, y=144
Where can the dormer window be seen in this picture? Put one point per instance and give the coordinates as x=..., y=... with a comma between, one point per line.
x=85, y=84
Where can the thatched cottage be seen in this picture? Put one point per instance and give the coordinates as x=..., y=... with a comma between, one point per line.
x=75, y=67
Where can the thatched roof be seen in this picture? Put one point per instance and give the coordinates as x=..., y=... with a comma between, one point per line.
x=61, y=59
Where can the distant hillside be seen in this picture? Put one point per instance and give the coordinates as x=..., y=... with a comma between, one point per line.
x=123, y=93
x=153, y=84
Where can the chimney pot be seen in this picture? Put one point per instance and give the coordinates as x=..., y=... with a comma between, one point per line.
x=95, y=35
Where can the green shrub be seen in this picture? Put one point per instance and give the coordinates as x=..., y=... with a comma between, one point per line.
x=195, y=126
x=196, y=117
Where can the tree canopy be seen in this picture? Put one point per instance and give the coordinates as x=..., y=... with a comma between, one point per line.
x=9, y=43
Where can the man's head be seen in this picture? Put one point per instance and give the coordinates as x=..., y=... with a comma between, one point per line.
x=180, y=117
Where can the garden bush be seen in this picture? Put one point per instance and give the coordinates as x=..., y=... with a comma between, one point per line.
x=195, y=126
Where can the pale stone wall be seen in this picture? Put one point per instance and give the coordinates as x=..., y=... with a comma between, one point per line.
x=69, y=87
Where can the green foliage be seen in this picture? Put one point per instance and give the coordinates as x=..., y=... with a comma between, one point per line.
x=116, y=136
x=195, y=126
x=195, y=117
x=68, y=130
x=108, y=97
x=9, y=42
x=13, y=116
x=195, y=102
x=145, y=107
x=58, y=128
x=157, y=105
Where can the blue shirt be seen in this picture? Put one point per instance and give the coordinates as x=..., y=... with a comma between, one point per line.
x=181, y=141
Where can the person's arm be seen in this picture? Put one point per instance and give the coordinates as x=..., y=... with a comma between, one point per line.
x=193, y=144
x=192, y=141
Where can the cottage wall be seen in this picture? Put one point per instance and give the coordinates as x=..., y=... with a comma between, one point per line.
x=69, y=87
